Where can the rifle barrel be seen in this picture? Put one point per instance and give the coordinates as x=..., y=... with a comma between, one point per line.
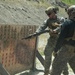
x=36, y=34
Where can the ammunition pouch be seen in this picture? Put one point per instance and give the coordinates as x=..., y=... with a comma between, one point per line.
x=52, y=34
x=70, y=42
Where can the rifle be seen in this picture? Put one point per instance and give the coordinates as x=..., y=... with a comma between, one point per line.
x=36, y=34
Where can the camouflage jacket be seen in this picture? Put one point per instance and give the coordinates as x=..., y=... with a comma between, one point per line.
x=50, y=24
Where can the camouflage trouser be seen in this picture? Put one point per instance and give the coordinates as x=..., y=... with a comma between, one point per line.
x=48, y=55
x=64, y=56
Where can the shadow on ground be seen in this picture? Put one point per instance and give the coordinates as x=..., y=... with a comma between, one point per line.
x=34, y=72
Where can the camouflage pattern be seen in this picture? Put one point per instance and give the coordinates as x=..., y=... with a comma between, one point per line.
x=62, y=58
x=71, y=9
x=51, y=9
x=65, y=55
x=48, y=53
x=71, y=12
x=51, y=24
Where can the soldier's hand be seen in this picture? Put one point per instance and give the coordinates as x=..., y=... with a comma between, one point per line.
x=55, y=24
x=54, y=31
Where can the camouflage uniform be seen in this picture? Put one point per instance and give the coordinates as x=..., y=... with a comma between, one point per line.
x=51, y=24
x=49, y=48
x=65, y=46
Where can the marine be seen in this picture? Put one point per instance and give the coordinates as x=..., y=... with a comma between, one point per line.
x=66, y=40
x=52, y=23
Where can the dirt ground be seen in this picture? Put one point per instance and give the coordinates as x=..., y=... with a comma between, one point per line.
x=25, y=12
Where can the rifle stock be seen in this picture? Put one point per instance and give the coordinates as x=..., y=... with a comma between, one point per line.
x=36, y=34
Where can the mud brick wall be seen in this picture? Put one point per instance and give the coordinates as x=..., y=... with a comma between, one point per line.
x=16, y=54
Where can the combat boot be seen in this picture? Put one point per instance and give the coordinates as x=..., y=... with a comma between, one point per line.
x=46, y=72
x=65, y=72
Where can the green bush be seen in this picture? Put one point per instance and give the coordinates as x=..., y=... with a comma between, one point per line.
x=69, y=2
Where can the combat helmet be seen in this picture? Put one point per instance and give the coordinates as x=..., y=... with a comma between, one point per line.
x=51, y=9
x=71, y=12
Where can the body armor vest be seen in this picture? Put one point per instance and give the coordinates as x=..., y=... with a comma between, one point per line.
x=73, y=37
x=53, y=24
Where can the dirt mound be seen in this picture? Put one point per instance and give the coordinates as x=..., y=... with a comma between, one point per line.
x=22, y=12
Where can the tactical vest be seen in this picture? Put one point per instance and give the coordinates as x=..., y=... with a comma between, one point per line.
x=71, y=40
x=53, y=24
x=73, y=37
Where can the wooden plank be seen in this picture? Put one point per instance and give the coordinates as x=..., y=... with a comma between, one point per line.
x=38, y=55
